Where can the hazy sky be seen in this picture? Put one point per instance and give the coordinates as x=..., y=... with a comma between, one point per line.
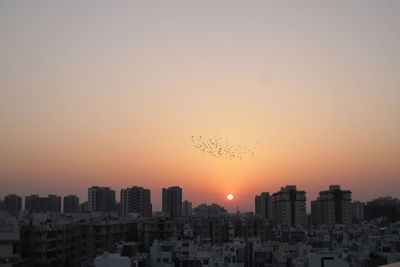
x=109, y=93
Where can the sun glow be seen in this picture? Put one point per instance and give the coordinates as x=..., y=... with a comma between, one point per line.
x=229, y=196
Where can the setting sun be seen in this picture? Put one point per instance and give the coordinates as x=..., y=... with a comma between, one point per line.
x=229, y=196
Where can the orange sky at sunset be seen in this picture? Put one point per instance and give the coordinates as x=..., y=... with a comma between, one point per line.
x=110, y=95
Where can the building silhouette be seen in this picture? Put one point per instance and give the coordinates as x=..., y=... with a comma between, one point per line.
x=54, y=203
x=263, y=205
x=383, y=207
x=172, y=201
x=36, y=204
x=289, y=206
x=358, y=211
x=186, y=208
x=212, y=210
x=71, y=204
x=136, y=200
x=333, y=206
x=101, y=199
x=12, y=204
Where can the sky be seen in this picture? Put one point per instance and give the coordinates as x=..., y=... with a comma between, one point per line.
x=109, y=93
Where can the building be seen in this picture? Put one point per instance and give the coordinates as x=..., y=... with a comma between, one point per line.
x=36, y=204
x=84, y=207
x=101, y=199
x=172, y=201
x=326, y=258
x=157, y=228
x=10, y=246
x=54, y=203
x=204, y=210
x=263, y=205
x=289, y=206
x=71, y=204
x=186, y=208
x=333, y=206
x=187, y=253
x=249, y=226
x=13, y=204
x=136, y=200
x=383, y=207
x=114, y=259
x=358, y=211
x=315, y=212
x=57, y=240
x=48, y=243
x=125, y=254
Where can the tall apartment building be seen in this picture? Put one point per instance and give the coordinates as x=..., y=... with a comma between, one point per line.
x=13, y=204
x=36, y=204
x=101, y=199
x=71, y=204
x=333, y=206
x=54, y=203
x=289, y=206
x=186, y=208
x=358, y=211
x=263, y=205
x=136, y=200
x=172, y=201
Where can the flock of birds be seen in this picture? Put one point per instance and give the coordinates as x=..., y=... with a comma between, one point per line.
x=221, y=148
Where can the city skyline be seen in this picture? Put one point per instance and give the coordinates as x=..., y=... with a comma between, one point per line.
x=231, y=205
x=191, y=133
x=247, y=199
x=101, y=94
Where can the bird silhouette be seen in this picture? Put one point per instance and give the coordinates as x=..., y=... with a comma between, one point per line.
x=221, y=148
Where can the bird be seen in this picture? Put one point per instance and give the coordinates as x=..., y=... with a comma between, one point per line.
x=217, y=146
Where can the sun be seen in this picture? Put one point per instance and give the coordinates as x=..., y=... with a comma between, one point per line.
x=229, y=196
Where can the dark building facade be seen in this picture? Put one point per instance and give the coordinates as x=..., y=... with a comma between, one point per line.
x=13, y=204
x=263, y=206
x=333, y=206
x=36, y=204
x=383, y=207
x=101, y=199
x=172, y=201
x=212, y=210
x=150, y=229
x=136, y=200
x=289, y=206
x=71, y=204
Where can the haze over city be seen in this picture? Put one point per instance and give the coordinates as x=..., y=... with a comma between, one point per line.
x=95, y=93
